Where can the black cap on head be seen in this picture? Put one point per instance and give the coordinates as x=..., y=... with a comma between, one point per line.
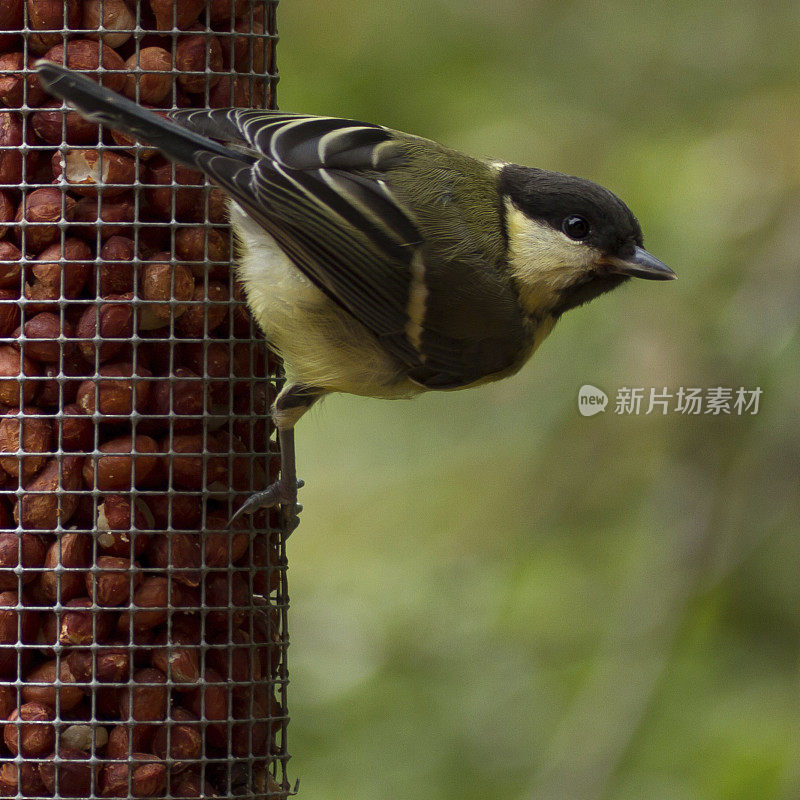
x=554, y=198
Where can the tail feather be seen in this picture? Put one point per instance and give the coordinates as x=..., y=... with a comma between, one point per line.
x=97, y=103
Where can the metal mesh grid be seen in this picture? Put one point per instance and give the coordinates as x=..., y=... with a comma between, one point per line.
x=142, y=642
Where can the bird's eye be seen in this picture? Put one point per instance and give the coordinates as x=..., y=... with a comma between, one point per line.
x=575, y=227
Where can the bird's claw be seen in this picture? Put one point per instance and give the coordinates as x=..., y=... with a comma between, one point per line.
x=278, y=493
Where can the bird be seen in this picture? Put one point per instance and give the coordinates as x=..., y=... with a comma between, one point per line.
x=381, y=263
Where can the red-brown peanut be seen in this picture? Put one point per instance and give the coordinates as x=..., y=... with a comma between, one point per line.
x=207, y=313
x=179, y=552
x=221, y=546
x=11, y=18
x=114, y=214
x=123, y=461
x=192, y=466
x=180, y=511
x=187, y=202
x=42, y=507
x=73, y=773
x=14, y=369
x=200, y=246
x=114, y=523
x=7, y=211
x=41, y=337
x=49, y=15
x=230, y=92
x=29, y=730
x=84, y=170
x=109, y=322
x=76, y=430
x=182, y=15
x=9, y=310
x=115, y=275
x=58, y=389
x=17, y=623
x=8, y=700
x=31, y=434
x=128, y=738
x=27, y=550
x=86, y=55
x=248, y=52
x=52, y=683
x=239, y=662
x=14, y=87
x=190, y=786
x=181, y=396
x=181, y=664
x=161, y=284
x=10, y=272
x=265, y=559
x=149, y=71
x=66, y=268
x=82, y=624
x=220, y=10
x=21, y=778
x=10, y=141
x=112, y=579
x=179, y=740
x=109, y=664
x=143, y=776
x=209, y=701
x=38, y=216
x=256, y=704
x=118, y=394
x=147, y=700
x=72, y=551
x=229, y=594
x=196, y=57
x=153, y=599
x=51, y=125
x=116, y=19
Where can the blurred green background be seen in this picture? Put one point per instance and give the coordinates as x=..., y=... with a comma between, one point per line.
x=493, y=596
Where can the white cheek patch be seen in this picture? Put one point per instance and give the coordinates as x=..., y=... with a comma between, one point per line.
x=544, y=260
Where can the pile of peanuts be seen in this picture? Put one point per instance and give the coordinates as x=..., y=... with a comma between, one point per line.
x=141, y=637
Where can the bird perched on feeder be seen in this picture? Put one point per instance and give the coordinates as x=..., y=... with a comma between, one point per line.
x=380, y=263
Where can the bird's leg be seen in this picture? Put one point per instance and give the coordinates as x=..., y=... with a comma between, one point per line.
x=283, y=492
x=292, y=402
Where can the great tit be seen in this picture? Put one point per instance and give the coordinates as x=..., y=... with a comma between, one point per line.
x=380, y=263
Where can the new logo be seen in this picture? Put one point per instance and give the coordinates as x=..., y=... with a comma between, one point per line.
x=591, y=400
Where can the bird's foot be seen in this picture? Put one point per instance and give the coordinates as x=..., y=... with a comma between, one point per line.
x=282, y=493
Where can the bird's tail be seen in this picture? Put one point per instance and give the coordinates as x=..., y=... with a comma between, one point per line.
x=99, y=104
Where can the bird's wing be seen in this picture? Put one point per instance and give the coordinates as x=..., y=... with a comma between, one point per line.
x=329, y=192
x=322, y=188
x=299, y=141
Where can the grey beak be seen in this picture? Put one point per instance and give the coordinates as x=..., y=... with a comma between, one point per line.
x=641, y=265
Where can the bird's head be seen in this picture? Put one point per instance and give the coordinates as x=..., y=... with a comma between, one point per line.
x=570, y=240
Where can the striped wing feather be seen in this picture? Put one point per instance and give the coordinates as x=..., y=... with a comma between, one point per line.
x=322, y=188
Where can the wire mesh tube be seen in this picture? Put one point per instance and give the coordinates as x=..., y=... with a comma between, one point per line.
x=142, y=641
